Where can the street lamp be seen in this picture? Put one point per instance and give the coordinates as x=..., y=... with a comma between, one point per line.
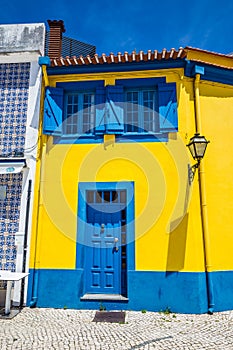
x=197, y=146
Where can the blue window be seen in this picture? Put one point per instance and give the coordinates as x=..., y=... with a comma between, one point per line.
x=53, y=109
x=141, y=111
x=79, y=113
x=89, y=110
x=70, y=109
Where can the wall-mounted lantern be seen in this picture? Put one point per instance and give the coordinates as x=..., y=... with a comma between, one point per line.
x=197, y=146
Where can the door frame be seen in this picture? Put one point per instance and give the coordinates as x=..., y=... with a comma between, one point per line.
x=128, y=186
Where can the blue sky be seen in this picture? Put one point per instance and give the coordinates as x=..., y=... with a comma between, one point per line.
x=117, y=25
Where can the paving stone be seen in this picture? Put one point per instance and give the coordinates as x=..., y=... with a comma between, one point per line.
x=73, y=329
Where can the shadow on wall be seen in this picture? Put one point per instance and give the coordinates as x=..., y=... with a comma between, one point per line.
x=177, y=246
x=178, y=237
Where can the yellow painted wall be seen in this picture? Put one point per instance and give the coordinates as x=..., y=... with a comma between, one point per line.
x=217, y=111
x=167, y=209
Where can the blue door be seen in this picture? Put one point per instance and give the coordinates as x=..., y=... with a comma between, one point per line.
x=103, y=252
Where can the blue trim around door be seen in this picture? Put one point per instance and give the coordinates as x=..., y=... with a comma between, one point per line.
x=82, y=221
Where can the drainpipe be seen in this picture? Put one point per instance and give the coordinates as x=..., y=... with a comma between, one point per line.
x=43, y=62
x=34, y=289
x=203, y=201
x=35, y=277
x=44, y=71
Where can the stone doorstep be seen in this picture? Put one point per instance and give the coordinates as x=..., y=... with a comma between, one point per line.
x=106, y=297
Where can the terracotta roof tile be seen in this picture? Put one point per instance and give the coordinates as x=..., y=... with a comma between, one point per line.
x=205, y=51
x=141, y=56
x=210, y=57
x=119, y=58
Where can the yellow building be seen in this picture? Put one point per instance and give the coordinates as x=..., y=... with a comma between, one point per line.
x=121, y=219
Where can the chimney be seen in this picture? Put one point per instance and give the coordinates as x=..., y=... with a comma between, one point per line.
x=55, y=38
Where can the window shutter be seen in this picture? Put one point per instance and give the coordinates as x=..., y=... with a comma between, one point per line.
x=53, y=106
x=100, y=99
x=115, y=111
x=168, y=119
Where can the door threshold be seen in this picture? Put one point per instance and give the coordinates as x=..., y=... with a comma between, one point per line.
x=109, y=297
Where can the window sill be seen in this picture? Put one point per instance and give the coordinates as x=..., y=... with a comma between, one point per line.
x=123, y=138
x=142, y=137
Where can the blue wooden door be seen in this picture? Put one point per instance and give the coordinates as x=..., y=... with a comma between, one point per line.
x=103, y=243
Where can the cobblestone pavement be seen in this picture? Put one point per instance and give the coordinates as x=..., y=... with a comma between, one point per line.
x=74, y=329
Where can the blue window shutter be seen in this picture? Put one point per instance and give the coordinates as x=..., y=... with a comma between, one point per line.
x=100, y=99
x=53, y=108
x=168, y=119
x=115, y=110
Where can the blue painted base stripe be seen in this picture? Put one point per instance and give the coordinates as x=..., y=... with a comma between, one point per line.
x=182, y=292
x=179, y=291
x=223, y=290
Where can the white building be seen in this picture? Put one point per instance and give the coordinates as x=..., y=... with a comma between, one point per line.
x=20, y=86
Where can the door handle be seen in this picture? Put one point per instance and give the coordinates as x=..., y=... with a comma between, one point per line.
x=116, y=241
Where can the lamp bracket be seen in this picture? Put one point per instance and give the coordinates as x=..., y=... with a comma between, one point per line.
x=192, y=170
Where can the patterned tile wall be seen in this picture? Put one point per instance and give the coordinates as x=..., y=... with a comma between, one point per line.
x=14, y=84
x=9, y=219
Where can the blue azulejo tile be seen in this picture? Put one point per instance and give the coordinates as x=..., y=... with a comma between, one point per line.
x=10, y=266
x=2, y=225
x=12, y=227
x=14, y=217
x=10, y=239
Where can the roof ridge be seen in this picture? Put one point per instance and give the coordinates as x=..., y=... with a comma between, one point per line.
x=206, y=51
x=120, y=57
